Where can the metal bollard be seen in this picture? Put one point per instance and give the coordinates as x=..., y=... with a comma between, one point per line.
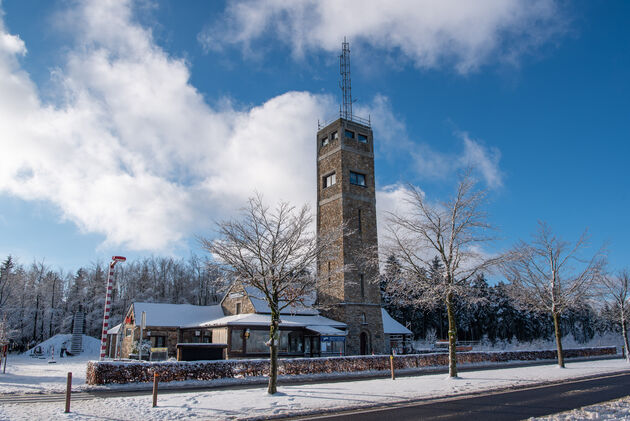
x=155, y=388
x=68, y=392
x=391, y=366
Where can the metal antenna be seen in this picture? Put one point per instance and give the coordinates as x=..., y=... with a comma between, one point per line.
x=344, y=68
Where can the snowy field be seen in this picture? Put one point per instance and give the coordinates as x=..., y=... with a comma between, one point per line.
x=613, y=410
x=232, y=404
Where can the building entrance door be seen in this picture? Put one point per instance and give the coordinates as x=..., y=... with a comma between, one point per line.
x=363, y=339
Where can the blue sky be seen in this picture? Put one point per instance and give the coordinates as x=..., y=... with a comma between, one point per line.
x=131, y=127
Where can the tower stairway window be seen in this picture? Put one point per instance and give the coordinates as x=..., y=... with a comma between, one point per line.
x=330, y=179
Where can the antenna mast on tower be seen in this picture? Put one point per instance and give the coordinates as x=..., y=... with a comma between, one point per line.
x=344, y=68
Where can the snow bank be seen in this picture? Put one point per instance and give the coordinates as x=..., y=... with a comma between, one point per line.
x=119, y=372
x=91, y=346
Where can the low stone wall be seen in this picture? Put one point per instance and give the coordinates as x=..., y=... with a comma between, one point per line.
x=107, y=372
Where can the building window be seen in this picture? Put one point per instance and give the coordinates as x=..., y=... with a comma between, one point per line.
x=359, y=221
x=236, y=340
x=238, y=308
x=349, y=134
x=330, y=179
x=325, y=141
x=357, y=179
x=363, y=319
x=334, y=136
x=158, y=341
x=362, y=138
x=127, y=332
x=362, y=281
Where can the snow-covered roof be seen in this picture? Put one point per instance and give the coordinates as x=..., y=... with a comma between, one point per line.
x=261, y=306
x=114, y=330
x=391, y=326
x=255, y=319
x=327, y=330
x=175, y=315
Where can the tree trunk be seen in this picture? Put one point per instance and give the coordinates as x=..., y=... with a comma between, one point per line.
x=556, y=325
x=452, y=337
x=273, y=352
x=624, y=331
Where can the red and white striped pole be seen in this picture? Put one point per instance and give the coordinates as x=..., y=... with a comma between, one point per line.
x=108, y=303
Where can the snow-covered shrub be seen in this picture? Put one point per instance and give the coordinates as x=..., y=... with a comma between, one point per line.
x=104, y=372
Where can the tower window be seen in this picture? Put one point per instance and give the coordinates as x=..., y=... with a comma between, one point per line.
x=357, y=179
x=324, y=140
x=362, y=280
x=349, y=134
x=362, y=138
x=363, y=319
x=330, y=179
x=359, y=220
x=334, y=136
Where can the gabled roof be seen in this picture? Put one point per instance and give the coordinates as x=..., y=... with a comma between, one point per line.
x=115, y=329
x=260, y=304
x=175, y=315
x=391, y=326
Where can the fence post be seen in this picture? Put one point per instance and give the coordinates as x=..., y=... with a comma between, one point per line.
x=391, y=366
x=68, y=392
x=155, y=388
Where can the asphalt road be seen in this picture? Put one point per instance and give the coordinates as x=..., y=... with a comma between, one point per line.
x=510, y=405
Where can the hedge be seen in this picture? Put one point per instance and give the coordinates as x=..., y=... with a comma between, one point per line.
x=121, y=372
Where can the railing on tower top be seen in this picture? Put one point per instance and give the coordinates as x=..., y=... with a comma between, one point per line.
x=355, y=119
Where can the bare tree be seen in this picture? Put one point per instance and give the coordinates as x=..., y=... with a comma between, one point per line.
x=617, y=290
x=273, y=251
x=453, y=230
x=550, y=275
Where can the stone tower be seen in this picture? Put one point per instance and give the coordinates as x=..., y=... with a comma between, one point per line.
x=348, y=290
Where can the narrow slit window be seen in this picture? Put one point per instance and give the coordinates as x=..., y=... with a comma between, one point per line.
x=363, y=319
x=330, y=179
x=357, y=179
x=362, y=281
x=349, y=134
x=359, y=221
x=362, y=138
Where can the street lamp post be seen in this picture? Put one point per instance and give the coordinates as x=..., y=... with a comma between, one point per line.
x=108, y=303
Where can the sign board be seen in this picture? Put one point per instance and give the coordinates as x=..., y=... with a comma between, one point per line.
x=236, y=294
x=333, y=338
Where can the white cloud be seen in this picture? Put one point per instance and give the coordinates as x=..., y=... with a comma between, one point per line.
x=431, y=33
x=131, y=150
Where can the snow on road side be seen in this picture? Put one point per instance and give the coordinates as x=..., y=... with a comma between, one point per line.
x=231, y=404
x=613, y=410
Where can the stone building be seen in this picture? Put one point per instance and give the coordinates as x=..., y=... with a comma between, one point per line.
x=348, y=289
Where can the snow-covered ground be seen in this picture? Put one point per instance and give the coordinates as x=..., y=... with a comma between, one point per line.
x=568, y=341
x=293, y=399
x=27, y=374
x=614, y=410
